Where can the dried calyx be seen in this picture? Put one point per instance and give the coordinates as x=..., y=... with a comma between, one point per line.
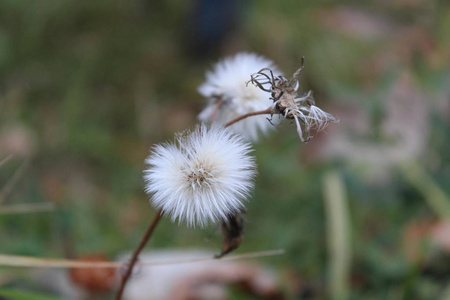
x=288, y=103
x=233, y=232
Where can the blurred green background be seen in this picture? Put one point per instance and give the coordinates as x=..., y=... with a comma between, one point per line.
x=87, y=87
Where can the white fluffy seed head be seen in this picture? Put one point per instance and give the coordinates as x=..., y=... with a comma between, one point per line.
x=227, y=83
x=202, y=177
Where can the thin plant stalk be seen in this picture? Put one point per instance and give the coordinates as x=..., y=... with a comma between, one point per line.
x=19, y=261
x=339, y=235
x=138, y=250
x=216, y=110
x=250, y=114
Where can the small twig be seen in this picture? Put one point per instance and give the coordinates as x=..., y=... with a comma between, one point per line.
x=138, y=250
x=254, y=113
x=9, y=186
x=216, y=109
x=7, y=260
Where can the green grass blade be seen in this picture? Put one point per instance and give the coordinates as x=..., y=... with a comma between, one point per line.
x=13, y=294
x=339, y=235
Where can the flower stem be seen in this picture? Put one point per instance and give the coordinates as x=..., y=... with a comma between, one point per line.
x=216, y=109
x=250, y=114
x=139, y=248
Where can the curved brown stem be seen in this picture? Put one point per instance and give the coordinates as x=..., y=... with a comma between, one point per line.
x=254, y=113
x=216, y=109
x=135, y=256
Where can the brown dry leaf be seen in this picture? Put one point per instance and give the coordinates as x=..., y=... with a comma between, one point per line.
x=94, y=280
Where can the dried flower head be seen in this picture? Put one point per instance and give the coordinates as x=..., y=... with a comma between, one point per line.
x=204, y=176
x=287, y=102
x=229, y=97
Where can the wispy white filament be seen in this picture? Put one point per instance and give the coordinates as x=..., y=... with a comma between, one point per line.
x=319, y=119
x=227, y=83
x=204, y=176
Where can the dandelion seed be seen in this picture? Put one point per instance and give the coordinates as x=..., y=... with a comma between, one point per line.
x=319, y=119
x=204, y=176
x=229, y=96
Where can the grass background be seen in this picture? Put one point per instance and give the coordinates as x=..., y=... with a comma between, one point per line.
x=88, y=87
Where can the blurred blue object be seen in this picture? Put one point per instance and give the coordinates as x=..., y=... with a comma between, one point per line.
x=210, y=22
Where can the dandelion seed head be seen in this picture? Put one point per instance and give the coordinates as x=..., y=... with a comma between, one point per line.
x=291, y=105
x=202, y=177
x=226, y=83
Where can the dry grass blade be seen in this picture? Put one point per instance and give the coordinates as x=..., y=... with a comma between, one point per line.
x=9, y=186
x=5, y=160
x=26, y=208
x=27, y=261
